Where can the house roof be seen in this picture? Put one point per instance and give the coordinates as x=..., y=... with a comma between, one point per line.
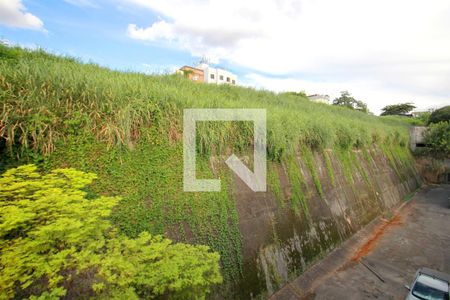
x=189, y=67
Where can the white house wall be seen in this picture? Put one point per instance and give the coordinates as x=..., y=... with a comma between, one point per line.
x=217, y=75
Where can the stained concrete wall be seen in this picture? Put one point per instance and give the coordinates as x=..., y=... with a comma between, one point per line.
x=279, y=244
x=417, y=136
x=433, y=170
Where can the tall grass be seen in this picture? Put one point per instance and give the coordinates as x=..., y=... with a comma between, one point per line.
x=44, y=97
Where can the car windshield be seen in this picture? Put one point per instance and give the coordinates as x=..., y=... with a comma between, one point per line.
x=425, y=292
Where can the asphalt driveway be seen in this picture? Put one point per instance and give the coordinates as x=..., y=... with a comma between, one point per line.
x=381, y=259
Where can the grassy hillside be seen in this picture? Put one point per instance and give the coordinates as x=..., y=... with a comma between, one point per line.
x=127, y=128
x=44, y=97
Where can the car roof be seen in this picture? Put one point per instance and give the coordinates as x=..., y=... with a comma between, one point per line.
x=435, y=274
x=433, y=282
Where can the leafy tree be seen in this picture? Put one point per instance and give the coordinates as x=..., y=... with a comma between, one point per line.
x=397, y=109
x=439, y=115
x=437, y=138
x=348, y=101
x=56, y=242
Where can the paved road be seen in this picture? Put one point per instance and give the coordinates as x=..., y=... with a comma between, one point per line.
x=417, y=236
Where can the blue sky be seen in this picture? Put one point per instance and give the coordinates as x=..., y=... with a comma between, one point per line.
x=97, y=32
x=92, y=34
x=382, y=51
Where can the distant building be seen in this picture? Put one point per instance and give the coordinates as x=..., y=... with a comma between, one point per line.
x=204, y=73
x=320, y=98
x=193, y=74
x=217, y=75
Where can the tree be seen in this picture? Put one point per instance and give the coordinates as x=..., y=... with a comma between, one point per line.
x=397, y=109
x=56, y=242
x=348, y=101
x=437, y=139
x=440, y=115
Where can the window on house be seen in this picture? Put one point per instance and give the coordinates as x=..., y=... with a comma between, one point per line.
x=212, y=76
x=228, y=79
x=221, y=77
x=195, y=77
x=233, y=82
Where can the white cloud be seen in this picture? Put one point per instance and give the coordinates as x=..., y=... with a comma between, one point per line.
x=159, y=30
x=13, y=13
x=399, y=48
x=369, y=91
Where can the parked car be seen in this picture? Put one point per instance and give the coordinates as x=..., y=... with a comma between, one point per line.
x=429, y=284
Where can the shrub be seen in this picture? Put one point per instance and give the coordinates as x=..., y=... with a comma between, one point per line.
x=440, y=115
x=437, y=138
x=56, y=241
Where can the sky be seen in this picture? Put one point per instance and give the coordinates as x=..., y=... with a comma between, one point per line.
x=382, y=51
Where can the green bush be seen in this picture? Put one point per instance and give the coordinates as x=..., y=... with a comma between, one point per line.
x=440, y=115
x=56, y=240
x=437, y=138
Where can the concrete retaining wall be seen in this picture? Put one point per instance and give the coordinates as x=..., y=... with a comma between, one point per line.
x=279, y=244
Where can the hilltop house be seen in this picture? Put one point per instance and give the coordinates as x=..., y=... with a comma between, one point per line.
x=192, y=73
x=204, y=73
x=320, y=98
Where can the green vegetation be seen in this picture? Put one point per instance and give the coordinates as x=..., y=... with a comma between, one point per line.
x=329, y=167
x=9, y=53
x=46, y=97
x=346, y=100
x=150, y=180
x=273, y=182
x=308, y=158
x=437, y=139
x=127, y=128
x=298, y=199
x=56, y=240
x=301, y=94
x=419, y=121
x=440, y=115
x=356, y=163
x=397, y=109
x=423, y=117
x=346, y=164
